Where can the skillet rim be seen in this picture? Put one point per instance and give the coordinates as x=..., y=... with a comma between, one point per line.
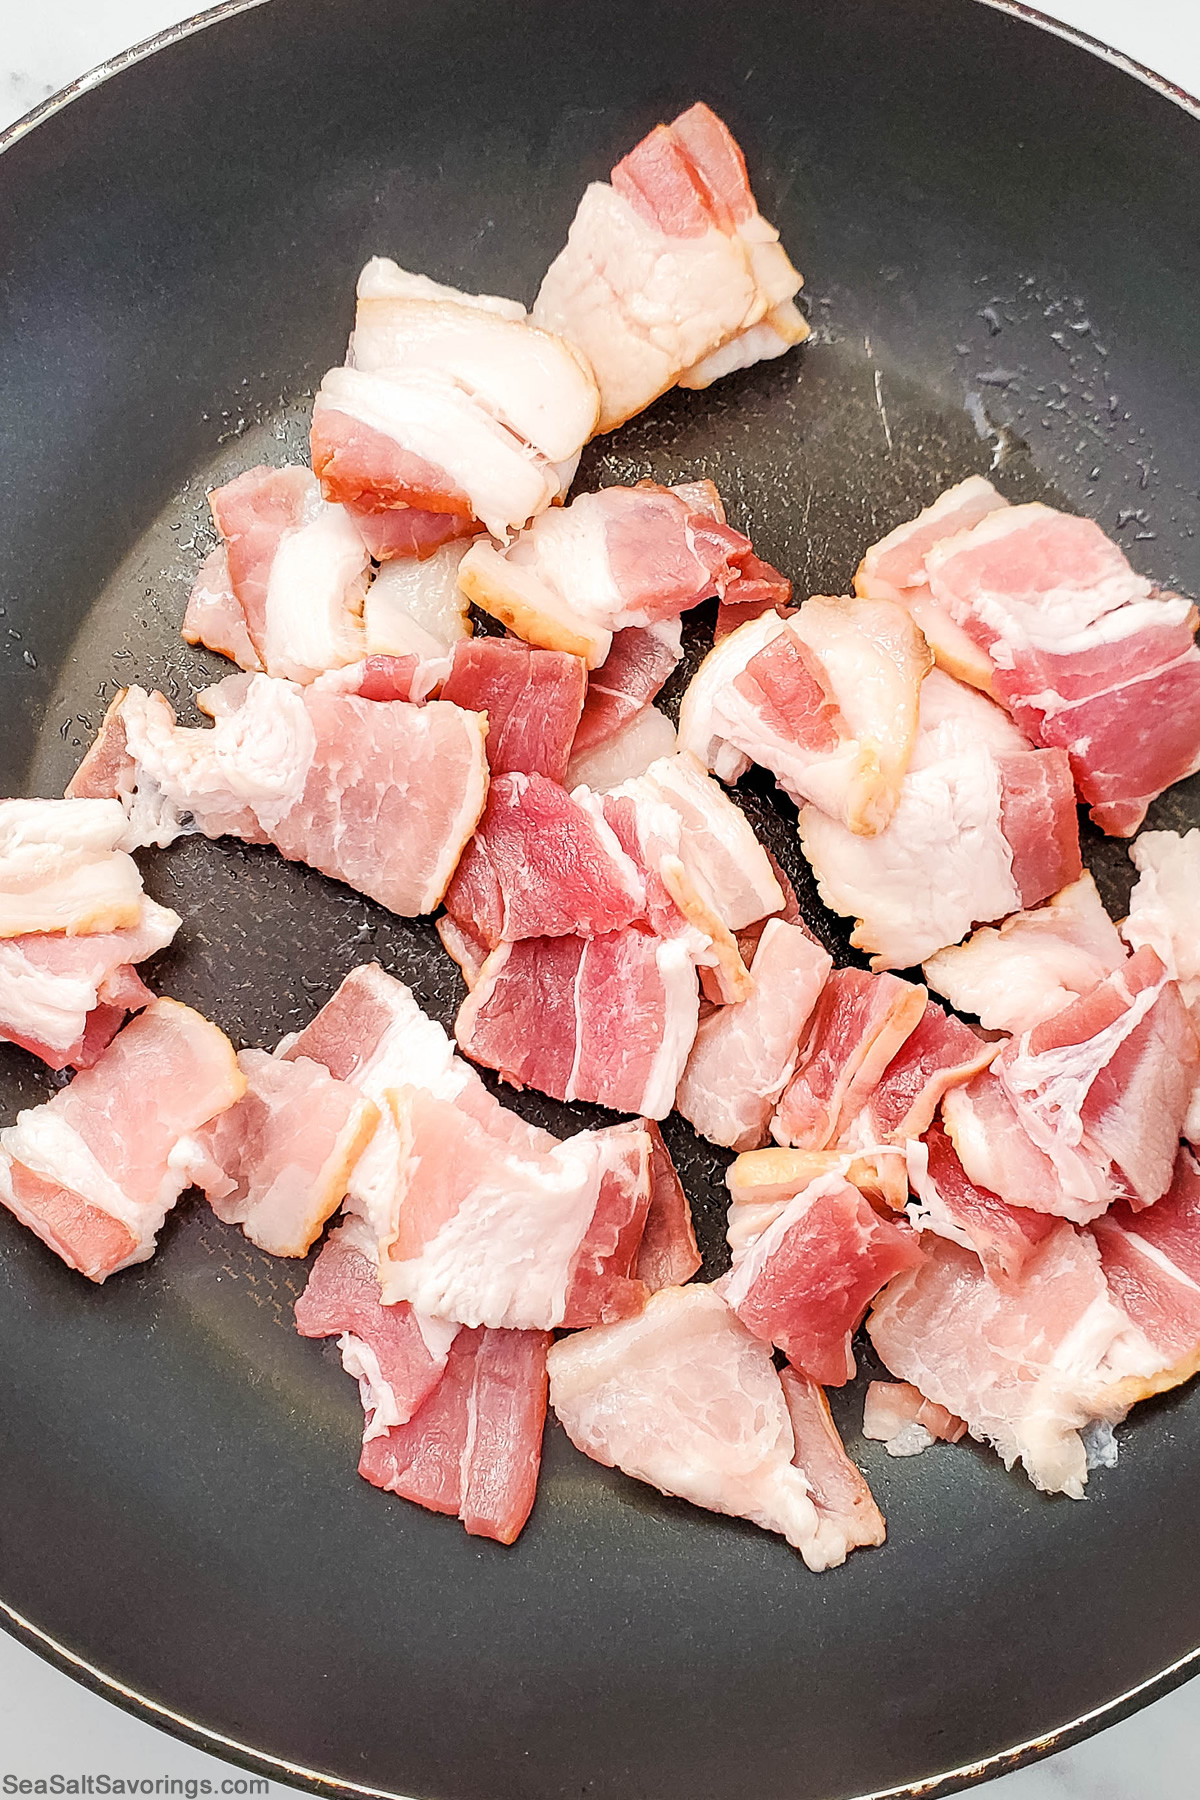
x=261, y=1762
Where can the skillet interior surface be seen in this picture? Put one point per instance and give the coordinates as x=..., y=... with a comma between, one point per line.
x=998, y=232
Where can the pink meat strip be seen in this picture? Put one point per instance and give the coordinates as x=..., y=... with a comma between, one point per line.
x=844, y=1502
x=938, y=1054
x=1003, y=1237
x=1087, y=1106
x=474, y=1448
x=640, y=660
x=408, y=530
x=1151, y=1262
x=1089, y=657
x=744, y=1054
x=1037, y=816
x=667, y=1255
x=214, y=615
x=533, y=700
x=380, y=796
x=65, y=998
x=758, y=588
x=342, y=1297
x=95, y=1170
x=609, y=1019
x=541, y=865
x=1028, y=1365
x=893, y=1408
x=860, y=1023
x=806, y=1281
x=492, y=1234
x=278, y=1162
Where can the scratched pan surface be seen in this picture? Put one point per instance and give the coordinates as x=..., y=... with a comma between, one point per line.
x=998, y=230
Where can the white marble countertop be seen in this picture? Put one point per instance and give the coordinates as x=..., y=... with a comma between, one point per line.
x=48, y=1724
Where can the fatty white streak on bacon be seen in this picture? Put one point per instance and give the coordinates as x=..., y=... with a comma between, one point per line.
x=416, y=608
x=64, y=867
x=628, y=753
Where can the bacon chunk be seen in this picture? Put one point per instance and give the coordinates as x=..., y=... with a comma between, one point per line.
x=1089, y=657
x=382, y=796
x=949, y=1204
x=686, y=1399
x=95, y=1170
x=826, y=698
x=1151, y=1262
x=490, y=1234
x=65, y=998
x=671, y=274
x=474, y=1448
x=1163, y=917
x=744, y=1054
x=844, y=1502
x=894, y=569
x=397, y=1356
x=537, y=384
x=667, y=1255
x=938, y=1054
x=1087, y=1105
x=64, y=867
x=622, y=557
x=897, y=1416
x=278, y=1162
x=609, y=1019
x=640, y=659
x=860, y=1023
x=973, y=823
x=1028, y=1365
x=1033, y=965
x=415, y=607
x=759, y=588
x=297, y=572
x=533, y=700
x=806, y=1281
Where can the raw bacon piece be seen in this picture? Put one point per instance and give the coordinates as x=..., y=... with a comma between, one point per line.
x=938, y=1054
x=686, y=1399
x=969, y=828
x=278, y=1162
x=805, y=1283
x=416, y=607
x=609, y=1019
x=475, y=1447
x=671, y=274
x=372, y=1034
x=408, y=531
x=418, y=439
x=1003, y=1237
x=667, y=1255
x=759, y=588
x=541, y=865
x=860, y=1023
x=533, y=700
x=397, y=1356
x=894, y=569
x=63, y=867
x=382, y=796
x=744, y=1054
x=1163, y=917
x=904, y=1422
x=65, y=998
x=214, y=615
x=1029, y=1365
x=1034, y=964
x=95, y=1170
x=625, y=755
x=534, y=382
x=640, y=659
x=489, y=1234
x=1086, y=1106
x=838, y=1487
x=297, y=569
x=1151, y=1262
x=621, y=557
x=1089, y=657
x=827, y=698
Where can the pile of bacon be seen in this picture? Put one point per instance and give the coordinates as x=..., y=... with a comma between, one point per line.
x=1008, y=1199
